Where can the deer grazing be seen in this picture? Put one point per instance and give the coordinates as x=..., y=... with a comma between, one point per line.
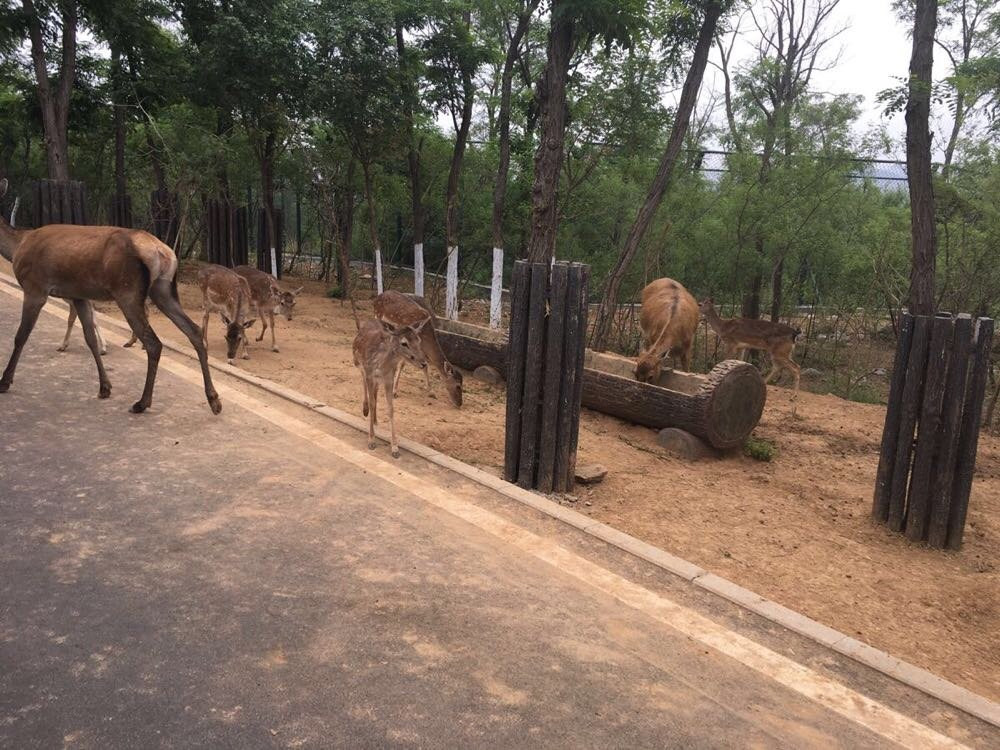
x=226, y=292
x=669, y=319
x=84, y=263
x=267, y=297
x=405, y=309
x=740, y=334
x=379, y=348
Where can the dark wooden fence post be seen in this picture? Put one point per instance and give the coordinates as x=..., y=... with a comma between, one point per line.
x=121, y=211
x=56, y=202
x=937, y=387
x=544, y=378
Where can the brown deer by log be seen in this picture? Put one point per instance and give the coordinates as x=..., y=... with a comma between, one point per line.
x=226, y=292
x=669, y=320
x=378, y=349
x=268, y=297
x=739, y=334
x=84, y=263
x=406, y=309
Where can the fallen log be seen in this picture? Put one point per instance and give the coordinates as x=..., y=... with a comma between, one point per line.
x=722, y=407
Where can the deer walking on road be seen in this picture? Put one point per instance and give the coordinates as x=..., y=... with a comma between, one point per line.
x=406, y=309
x=379, y=348
x=669, y=319
x=84, y=263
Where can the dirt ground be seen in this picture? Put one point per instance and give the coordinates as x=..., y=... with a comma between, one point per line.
x=796, y=530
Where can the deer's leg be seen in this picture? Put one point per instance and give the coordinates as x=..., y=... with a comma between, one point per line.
x=372, y=386
x=135, y=313
x=395, y=379
x=164, y=298
x=263, y=326
x=30, y=308
x=86, y=312
x=274, y=345
x=69, y=328
x=204, y=327
x=392, y=421
x=97, y=330
x=245, y=343
x=364, y=393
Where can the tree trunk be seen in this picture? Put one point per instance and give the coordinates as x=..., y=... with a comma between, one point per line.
x=156, y=160
x=918, y=160
x=646, y=214
x=366, y=167
x=345, y=224
x=119, y=117
x=413, y=161
x=267, y=158
x=549, y=156
x=777, y=287
x=54, y=105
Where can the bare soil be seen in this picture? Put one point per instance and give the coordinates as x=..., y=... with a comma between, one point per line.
x=796, y=530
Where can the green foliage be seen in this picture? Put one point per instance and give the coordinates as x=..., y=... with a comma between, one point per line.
x=759, y=449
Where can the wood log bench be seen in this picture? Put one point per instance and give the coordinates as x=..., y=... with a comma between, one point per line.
x=721, y=407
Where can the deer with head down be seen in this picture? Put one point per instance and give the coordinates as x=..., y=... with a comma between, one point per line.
x=669, y=320
x=407, y=309
x=226, y=292
x=379, y=348
x=84, y=263
x=268, y=297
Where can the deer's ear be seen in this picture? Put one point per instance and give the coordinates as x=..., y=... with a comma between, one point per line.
x=225, y=320
x=298, y=291
x=418, y=327
x=389, y=327
x=3, y=187
x=250, y=322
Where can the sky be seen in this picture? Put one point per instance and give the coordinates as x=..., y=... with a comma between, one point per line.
x=874, y=51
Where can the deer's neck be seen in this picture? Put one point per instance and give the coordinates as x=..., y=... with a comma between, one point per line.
x=10, y=238
x=432, y=350
x=714, y=319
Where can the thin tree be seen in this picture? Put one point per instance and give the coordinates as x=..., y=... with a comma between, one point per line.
x=918, y=160
x=682, y=118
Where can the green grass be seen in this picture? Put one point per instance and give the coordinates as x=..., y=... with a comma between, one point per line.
x=759, y=450
x=335, y=292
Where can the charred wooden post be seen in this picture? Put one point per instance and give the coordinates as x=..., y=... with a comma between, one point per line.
x=58, y=202
x=121, y=211
x=547, y=327
x=937, y=387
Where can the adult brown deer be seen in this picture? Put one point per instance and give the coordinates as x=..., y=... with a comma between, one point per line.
x=740, y=334
x=226, y=292
x=379, y=348
x=669, y=319
x=267, y=296
x=406, y=309
x=83, y=263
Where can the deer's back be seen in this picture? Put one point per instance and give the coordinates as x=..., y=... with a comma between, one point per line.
x=666, y=304
x=259, y=283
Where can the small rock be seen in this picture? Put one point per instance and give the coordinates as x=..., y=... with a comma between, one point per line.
x=487, y=374
x=684, y=445
x=880, y=371
x=590, y=473
x=811, y=372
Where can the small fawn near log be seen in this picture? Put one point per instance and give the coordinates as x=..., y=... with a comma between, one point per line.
x=379, y=348
x=407, y=309
x=740, y=334
x=84, y=263
x=669, y=320
x=268, y=297
x=226, y=292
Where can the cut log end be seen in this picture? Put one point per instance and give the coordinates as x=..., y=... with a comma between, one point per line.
x=735, y=395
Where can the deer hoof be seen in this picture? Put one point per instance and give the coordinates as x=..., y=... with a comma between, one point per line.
x=371, y=444
x=138, y=407
x=246, y=356
x=214, y=404
x=105, y=391
x=4, y=387
x=128, y=344
x=275, y=349
x=104, y=352
x=231, y=361
x=395, y=452
x=61, y=348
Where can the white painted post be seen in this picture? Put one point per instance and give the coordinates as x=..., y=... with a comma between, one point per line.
x=13, y=211
x=378, y=270
x=451, y=285
x=418, y=269
x=496, y=288
x=274, y=262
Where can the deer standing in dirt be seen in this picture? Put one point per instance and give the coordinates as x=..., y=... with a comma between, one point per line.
x=739, y=334
x=405, y=309
x=379, y=348
x=669, y=320
x=226, y=292
x=267, y=297
x=84, y=263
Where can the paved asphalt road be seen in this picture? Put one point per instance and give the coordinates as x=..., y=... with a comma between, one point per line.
x=179, y=580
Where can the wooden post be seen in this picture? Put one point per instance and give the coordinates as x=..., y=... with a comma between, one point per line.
x=951, y=418
x=496, y=288
x=912, y=391
x=968, y=440
x=554, y=377
x=579, y=343
x=451, y=285
x=918, y=502
x=516, y=356
x=56, y=202
x=890, y=436
x=531, y=399
x=418, y=269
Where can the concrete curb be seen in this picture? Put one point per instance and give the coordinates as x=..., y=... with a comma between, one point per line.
x=908, y=674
